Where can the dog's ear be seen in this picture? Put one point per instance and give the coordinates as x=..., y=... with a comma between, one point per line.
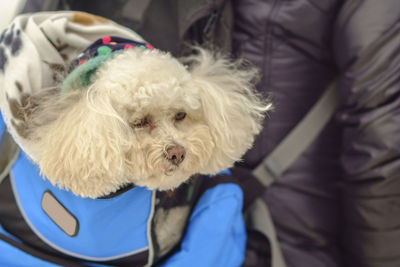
x=84, y=146
x=231, y=106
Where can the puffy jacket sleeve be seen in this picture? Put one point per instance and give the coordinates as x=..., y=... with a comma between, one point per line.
x=367, y=49
x=216, y=235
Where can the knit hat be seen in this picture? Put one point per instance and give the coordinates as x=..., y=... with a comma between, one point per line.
x=83, y=67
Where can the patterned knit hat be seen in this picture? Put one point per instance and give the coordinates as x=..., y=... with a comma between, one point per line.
x=83, y=67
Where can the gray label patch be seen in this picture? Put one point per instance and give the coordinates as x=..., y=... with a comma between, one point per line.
x=59, y=214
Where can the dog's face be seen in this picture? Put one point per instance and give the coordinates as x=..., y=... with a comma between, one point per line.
x=168, y=143
x=169, y=138
x=147, y=119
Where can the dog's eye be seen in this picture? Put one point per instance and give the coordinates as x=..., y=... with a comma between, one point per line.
x=180, y=116
x=140, y=123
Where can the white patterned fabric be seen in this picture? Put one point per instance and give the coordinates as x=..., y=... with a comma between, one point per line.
x=34, y=49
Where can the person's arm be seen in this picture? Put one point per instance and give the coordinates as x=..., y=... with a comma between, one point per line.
x=367, y=50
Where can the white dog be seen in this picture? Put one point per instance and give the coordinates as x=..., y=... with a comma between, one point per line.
x=148, y=119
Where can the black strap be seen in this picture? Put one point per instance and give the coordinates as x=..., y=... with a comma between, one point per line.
x=252, y=188
x=67, y=262
x=38, y=254
x=9, y=152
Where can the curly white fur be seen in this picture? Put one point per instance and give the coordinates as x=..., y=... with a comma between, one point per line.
x=92, y=143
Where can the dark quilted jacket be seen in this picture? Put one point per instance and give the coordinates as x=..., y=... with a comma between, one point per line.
x=339, y=204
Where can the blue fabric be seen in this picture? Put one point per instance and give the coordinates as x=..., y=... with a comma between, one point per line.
x=216, y=234
x=106, y=226
x=2, y=125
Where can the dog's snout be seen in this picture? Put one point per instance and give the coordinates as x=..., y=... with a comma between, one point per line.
x=176, y=154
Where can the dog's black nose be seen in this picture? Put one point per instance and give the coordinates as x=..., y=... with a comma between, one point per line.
x=176, y=154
